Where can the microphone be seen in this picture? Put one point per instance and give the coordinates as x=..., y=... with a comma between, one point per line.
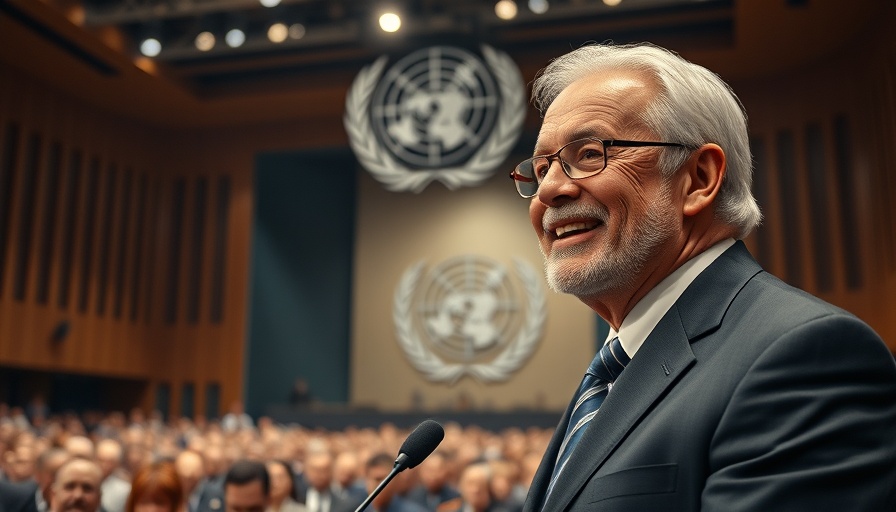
x=418, y=446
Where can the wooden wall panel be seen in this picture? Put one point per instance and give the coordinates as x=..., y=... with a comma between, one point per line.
x=109, y=238
x=827, y=185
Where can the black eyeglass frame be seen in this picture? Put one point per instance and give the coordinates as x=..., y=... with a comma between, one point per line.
x=517, y=177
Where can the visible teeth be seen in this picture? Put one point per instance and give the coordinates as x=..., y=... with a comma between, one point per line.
x=573, y=227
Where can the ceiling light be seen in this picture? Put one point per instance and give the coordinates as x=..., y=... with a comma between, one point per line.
x=278, y=32
x=390, y=22
x=506, y=9
x=270, y=3
x=297, y=31
x=235, y=38
x=538, y=6
x=612, y=3
x=205, y=41
x=150, y=47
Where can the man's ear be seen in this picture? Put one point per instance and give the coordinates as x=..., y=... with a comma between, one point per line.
x=704, y=173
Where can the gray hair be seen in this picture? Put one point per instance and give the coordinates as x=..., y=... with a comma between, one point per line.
x=694, y=107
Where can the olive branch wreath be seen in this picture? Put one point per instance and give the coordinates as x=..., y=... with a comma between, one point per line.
x=497, y=370
x=490, y=155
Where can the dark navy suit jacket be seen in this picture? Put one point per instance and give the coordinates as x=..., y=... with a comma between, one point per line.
x=748, y=395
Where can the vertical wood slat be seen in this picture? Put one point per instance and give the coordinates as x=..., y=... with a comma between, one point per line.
x=50, y=224
x=122, y=243
x=105, y=240
x=72, y=229
x=819, y=208
x=11, y=149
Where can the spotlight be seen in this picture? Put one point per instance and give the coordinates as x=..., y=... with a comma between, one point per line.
x=205, y=41
x=297, y=31
x=235, y=38
x=278, y=32
x=150, y=47
x=538, y=6
x=506, y=9
x=390, y=22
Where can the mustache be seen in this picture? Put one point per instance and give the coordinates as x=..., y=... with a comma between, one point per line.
x=574, y=211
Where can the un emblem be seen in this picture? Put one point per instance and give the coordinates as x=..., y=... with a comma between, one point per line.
x=468, y=316
x=440, y=113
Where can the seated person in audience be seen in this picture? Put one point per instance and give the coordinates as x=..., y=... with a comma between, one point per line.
x=434, y=488
x=115, y=486
x=377, y=469
x=315, y=489
x=475, y=490
x=76, y=486
x=247, y=487
x=48, y=463
x=283, y=490
x=347, y=479
x=19, y=458
x=507, y=495
x=156, y=488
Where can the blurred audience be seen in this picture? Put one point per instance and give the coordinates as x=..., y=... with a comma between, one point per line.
x=388, y=500
x=116, y=484
x=76, y=486
x=156, y=488
x=329, y=470
x=283, y=488
x=434, y=487
x=247, y=487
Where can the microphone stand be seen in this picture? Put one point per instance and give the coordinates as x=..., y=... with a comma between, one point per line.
x=396, y=469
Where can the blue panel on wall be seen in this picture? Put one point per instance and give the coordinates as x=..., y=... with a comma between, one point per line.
x=302, y=253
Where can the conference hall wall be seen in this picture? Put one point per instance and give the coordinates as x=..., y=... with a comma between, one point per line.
x=126, y=248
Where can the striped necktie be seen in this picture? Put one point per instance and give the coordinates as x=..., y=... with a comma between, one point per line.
x=604, y=370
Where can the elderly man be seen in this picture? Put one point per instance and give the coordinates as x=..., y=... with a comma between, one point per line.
x=76, y=487
x=719, y=387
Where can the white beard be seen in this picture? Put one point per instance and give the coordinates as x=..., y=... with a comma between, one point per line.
x=611, y=267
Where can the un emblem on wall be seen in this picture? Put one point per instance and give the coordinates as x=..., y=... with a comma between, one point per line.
x=440, y=113
x=468, y=316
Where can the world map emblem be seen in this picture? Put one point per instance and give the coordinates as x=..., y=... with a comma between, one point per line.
x=469, y=316
x=441, y=113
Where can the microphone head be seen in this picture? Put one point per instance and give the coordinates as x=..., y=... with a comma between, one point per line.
x=420, y=443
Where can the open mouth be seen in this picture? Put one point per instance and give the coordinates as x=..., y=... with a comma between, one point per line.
x=568, y=230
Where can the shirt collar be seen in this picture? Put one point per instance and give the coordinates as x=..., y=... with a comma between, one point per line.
x=641, y=320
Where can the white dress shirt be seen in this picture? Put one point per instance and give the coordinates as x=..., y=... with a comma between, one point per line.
x=648, y=312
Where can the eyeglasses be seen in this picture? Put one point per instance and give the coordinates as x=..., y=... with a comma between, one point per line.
x=581, y=158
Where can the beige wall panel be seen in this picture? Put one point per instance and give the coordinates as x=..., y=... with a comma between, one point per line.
x=397, y=230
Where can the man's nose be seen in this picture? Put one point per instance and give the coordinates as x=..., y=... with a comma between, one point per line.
x=556, y=184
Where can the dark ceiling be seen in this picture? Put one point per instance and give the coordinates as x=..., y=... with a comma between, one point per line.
x=92, y=45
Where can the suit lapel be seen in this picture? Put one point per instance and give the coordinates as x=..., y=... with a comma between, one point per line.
x=542, y=478
x=664, y=357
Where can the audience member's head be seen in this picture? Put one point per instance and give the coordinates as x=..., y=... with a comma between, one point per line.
x=433, y=472
x=76, y=487
x=109, y=455
x=319, y=470
x=19, y=460
x=190, y=470
x=80, y=446
x=282, y=482
x=155, y=488
x=246, y=487
x=47, y=464
x=474, y=486
x=346, y=469
x=377, y=469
